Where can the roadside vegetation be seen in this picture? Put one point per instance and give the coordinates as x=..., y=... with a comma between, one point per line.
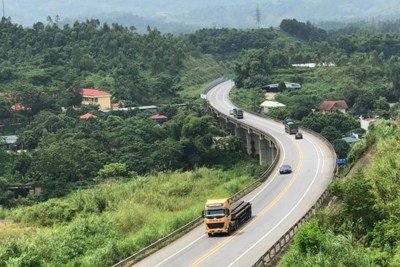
x=112, y=185
x=360, y=228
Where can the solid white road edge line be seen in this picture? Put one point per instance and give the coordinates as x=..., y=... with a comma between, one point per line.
x=287, y=215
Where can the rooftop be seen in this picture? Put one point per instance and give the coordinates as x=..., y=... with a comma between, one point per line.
x=159, y=117
x=330, y=104
x=87, y=116
x=93, y=92
x=289, y=85
x=272, y=104
x=8, y=139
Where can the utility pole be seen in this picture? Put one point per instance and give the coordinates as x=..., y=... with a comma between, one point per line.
x=258, y=16
x=3, y=10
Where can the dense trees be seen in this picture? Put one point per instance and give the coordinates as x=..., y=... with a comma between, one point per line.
x=43, y=67
x=65, y=151
x=302, y=30
x=227, y=43
x=341, y=122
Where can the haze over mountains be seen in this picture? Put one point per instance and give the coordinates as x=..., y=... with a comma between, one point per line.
x=184, y=16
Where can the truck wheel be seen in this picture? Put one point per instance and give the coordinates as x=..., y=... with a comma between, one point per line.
x=236, y=225
x=210, y=234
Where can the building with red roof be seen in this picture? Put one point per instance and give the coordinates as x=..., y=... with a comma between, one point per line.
x=87, y=116
x=333, y=106
x=159, y=118
x=18, y=107
x=97, y=97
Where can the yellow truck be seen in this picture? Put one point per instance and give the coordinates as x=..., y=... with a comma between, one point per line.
x=223, y=216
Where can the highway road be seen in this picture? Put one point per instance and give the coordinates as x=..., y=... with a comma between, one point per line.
x=277, y=204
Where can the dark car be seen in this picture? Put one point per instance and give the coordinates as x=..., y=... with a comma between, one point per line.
x=238, y=113
x=298, y=135
x=285, y=168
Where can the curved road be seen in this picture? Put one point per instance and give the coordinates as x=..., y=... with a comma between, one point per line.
x=277, y=204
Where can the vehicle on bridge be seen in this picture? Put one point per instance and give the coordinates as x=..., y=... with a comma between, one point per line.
x=238, y=113
x=298, y=135
x=223, y=216
x=291, y=127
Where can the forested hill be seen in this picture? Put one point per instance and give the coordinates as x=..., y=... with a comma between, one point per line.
x=46, y=63
x=43, y=68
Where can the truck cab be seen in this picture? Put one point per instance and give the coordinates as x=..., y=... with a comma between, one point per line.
x=223, y=216
x=217, y=216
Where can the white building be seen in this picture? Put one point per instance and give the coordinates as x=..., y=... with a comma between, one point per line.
x=267, y=105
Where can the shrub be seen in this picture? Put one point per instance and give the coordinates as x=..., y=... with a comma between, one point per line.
x=309, y=238
x=113, y=170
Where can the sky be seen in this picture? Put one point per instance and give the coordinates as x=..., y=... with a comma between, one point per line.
x=226, y=13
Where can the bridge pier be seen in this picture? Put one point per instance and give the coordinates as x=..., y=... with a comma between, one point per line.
x=256, y=142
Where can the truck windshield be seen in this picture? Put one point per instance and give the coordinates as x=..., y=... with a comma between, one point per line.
x=215, y=213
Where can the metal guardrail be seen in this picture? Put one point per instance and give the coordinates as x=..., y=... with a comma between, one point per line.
x=141, y=254
x=211, y=85
x=270, y=257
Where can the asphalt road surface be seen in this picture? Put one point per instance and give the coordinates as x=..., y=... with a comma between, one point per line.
x=277, y=204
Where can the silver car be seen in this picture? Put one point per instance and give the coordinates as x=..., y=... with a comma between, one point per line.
x=285, y=168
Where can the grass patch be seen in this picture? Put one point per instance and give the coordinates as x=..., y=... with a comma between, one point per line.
x=97, y=227
x=198, y=73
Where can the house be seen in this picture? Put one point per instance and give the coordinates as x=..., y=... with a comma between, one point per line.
x=97, y=97
x=159, y=118
x=19, y=107
x=267, y=105
x=333, y=106
x=8, y=142
x=354, y=138
x=87, y=116
x=313, y=65
x=289, y=85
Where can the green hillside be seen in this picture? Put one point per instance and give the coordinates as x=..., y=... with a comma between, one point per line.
x=361, y=228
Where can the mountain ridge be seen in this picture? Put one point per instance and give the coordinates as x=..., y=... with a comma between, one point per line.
x=169, y=14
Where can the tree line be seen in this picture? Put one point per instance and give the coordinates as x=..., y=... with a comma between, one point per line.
x=44, y=67
x=64, y=152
